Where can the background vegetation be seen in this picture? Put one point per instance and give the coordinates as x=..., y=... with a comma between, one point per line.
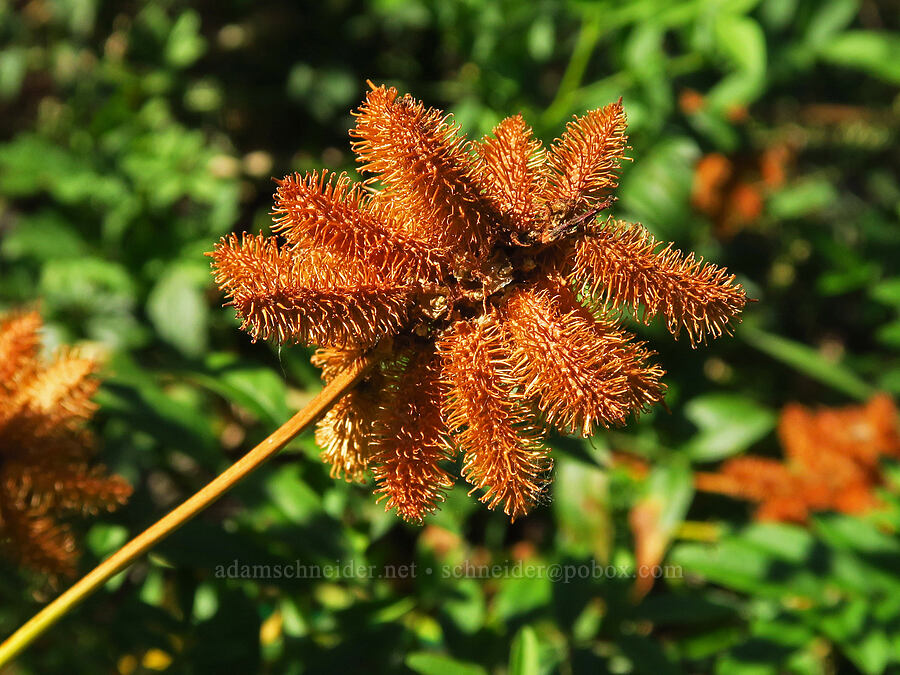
x=134, y=134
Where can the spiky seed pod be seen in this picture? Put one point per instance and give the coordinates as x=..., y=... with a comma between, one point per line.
x=621, y=264
x=330, y=212
x=19, y=342
x=276, y=296
x=467, y=249
x=45, y=451
x=502, y=451
x=426, y=170
x=409, y=442
x=345, y=432
x=512, y=168
x=582, y=372
x=584, y=161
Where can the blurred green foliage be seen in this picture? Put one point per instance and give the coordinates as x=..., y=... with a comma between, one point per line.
x=135, y=133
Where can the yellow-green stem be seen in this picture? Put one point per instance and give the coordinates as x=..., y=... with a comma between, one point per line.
x=178, y=516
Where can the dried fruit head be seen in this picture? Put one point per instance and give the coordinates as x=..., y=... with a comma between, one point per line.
x=501, y=291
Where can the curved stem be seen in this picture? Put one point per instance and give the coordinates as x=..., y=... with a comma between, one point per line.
x=178, y=516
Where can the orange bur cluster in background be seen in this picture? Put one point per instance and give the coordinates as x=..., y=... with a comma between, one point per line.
x=832, y=462
x=46, y=474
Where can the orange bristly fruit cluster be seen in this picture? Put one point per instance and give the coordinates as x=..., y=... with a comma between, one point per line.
x=833, y=462
x=485, y=266
x=46, y=473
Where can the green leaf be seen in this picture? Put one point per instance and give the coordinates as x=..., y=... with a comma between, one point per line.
x=428, y=663
x=876, y=53
x=830, y=18
x=541, y=38
x=178, y=310
x=672, y=484
x=728, y=423
x=656, y=191
x=889, y=334
x=519, y=596
x=258, y=389
x=466, y=606
x=807, y=360
x=46, y=235
x=889, y=380
x=887, y=291
x=524, y=653
x=581, y=504
x=102, y=539
x=13, y=65
x=802, y=198
x=743, y=43
x=185, y=44
x=295, y=499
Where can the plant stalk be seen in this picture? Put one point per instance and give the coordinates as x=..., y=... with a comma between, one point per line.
x=178, y=516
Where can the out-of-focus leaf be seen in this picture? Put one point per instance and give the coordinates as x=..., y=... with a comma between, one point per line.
x=258, y=389
x=876, y=53
x=185, y=44
x=581, y=503
x=104, y=538
x=890, y=381
x=807, y=360
x=801, y=199
x=292, y=495
x=830, y=17
x=647, y=655
x=466, y=606
x=13, y=64
x=178, y=310
x=427, y=663
x=655, y=517
x=736, y=564
x=657, y=191
x=524, y=657
x=744, y=45
x=541, y=38
x=866, y=645
x=887, y=291
x=518, y=596
x=777, y=13
x=728, y=423
x=889, y=334
x=43, y=236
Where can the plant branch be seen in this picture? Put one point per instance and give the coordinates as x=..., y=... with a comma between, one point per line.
x=143, y=542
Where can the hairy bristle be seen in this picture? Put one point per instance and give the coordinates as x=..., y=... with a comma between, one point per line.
x=60, y=394
x=19, y=341
x=512, y=171
x=329, y=211
x=270, y=290
x=585, y=159
x=582, y=372
x=426, y=170
x=409, y=443
x=37, y=541
x=622, y=265
x=345, y=432
x=503, y=455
